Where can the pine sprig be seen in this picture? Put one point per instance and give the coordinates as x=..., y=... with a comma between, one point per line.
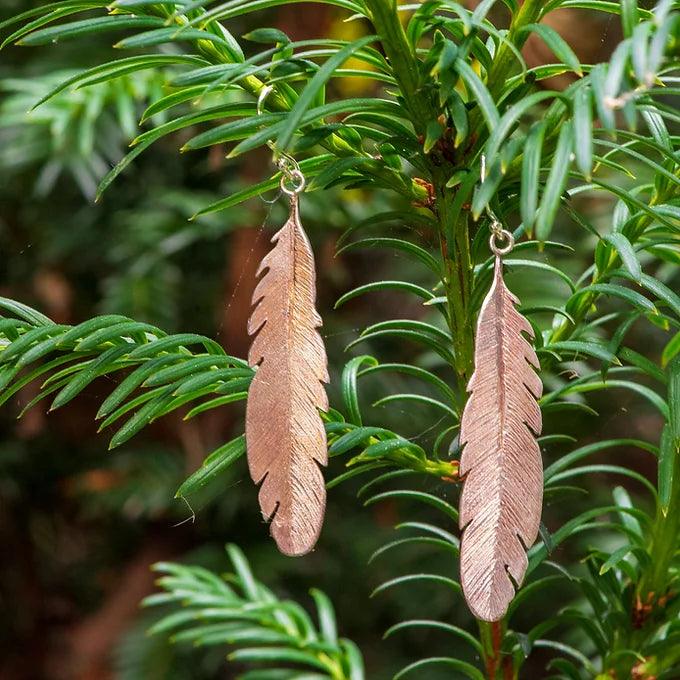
x=158, y=374
x=238, y=611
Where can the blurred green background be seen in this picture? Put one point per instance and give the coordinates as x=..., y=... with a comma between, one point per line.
x=80, y=526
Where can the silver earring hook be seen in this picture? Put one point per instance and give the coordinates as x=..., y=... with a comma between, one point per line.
x=501, y=241
x=293, y=182
x=264, y=93
x=259, y=108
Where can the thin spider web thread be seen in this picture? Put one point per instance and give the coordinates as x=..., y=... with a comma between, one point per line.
x=242, y=273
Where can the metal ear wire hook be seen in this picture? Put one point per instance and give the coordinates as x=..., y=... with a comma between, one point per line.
x=499, y=236
x=259, y=108
x=293, y=181
x=495, y=222
x=264, y=93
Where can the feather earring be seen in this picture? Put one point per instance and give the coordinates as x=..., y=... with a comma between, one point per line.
x=500, y=506
x=285, y=435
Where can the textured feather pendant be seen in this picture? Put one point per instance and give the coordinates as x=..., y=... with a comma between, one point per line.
x=285, y=435
x=500, y=507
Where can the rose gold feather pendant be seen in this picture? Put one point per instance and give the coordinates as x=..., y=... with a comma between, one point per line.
x=500, y=506
x=285, y=434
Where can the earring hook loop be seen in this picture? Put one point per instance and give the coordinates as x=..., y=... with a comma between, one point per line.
x=293, y=181
x=501, y=241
